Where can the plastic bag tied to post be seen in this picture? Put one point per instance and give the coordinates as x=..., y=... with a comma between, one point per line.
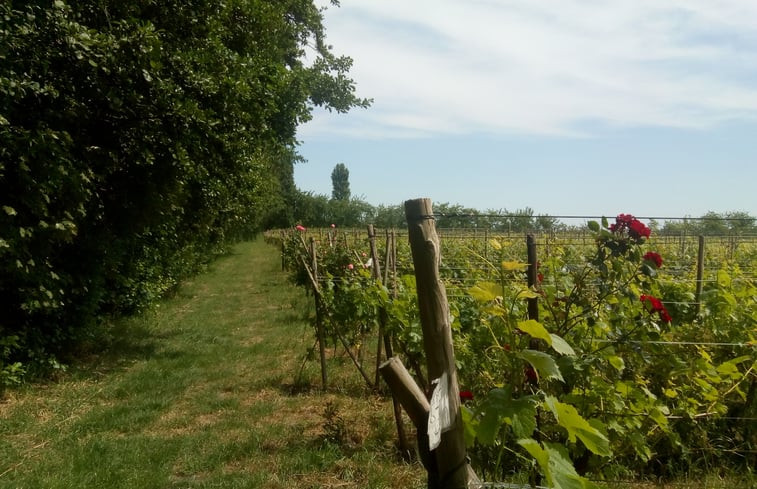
x=440, y=416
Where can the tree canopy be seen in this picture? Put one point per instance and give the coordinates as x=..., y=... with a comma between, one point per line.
x=136, y=139
x=340, y=182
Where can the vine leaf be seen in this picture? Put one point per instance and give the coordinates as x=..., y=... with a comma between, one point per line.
x=567, y=416
x=513, y=266
x=543, y=363
x=555, y=464
x=485, y=291
x=561, y=346
x=499, y=408
x=535, y=329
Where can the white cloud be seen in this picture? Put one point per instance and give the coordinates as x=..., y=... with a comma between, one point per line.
x=448, y=67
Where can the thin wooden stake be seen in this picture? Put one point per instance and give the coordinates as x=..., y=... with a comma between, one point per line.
x=318, y=311
x=376, y=273
x=700, y=275
x=533, y=274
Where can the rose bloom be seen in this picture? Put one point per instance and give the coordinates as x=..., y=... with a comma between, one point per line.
x=639, y=229
x=350, y=266
x=653, y=301
x=656, y=306
x=466, y=396
x=654, y=258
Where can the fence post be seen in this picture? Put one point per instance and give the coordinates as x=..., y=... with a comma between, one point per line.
x=533, y=274
x=376, y=273
x=318, y=311
x=450, y=455
x=283, y=253
x=533, y=313
x=700, y=275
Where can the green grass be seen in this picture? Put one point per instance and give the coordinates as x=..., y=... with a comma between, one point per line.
x=203, y=392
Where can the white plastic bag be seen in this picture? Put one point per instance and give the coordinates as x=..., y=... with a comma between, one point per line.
x=439, y=416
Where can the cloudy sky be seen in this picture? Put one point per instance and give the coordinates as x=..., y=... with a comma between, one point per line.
x=567, y=107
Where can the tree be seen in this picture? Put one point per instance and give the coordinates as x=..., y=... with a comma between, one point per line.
x=713, y=224
x=340, y=182
x=136, y=140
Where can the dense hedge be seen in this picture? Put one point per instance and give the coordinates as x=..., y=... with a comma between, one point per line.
x=136, y=139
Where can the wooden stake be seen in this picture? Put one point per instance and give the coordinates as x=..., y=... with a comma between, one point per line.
x=700, y=275
x=533, y=274
x=450, y=455
x=318, y=311
x=411, y=397
x=376, y=273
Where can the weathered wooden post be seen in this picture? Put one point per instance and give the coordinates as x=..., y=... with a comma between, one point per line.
x=533, y=274
x=700, y=275
x=450, y=455
x=376, y=273
x=533, y=313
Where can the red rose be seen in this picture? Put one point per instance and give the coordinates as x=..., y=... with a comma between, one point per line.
x=656, y=306
x=466, y=396
x=654, y=258
x=638, y=229
x=635, y=228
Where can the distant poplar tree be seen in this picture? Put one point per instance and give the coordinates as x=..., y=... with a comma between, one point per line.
x=340, y=182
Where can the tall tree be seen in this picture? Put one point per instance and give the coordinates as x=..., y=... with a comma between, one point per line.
x=340, y=182
x=136, y=139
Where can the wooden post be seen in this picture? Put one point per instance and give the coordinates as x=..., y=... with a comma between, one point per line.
x=411, y=397
x=450, y=455
x=383, y=337
x=394, y=264
x=700, y=275
x=533, y=274
x=318, y=311
x=376, y=273
x=533, y=313
x=388, y=257
x=486, y=254
x=283, y=255
x=407, y=393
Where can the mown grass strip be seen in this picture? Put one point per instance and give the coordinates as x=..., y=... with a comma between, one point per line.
x=201, y=393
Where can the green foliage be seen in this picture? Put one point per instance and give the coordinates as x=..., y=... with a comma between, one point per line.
x=612, y=381
x=320, y=211
x=340, y=183
x=619, y=372
x=136, y=140
x=713, y=224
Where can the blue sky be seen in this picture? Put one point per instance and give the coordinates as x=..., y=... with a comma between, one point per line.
x=567, y=107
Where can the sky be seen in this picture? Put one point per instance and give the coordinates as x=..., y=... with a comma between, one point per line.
x=569, y=107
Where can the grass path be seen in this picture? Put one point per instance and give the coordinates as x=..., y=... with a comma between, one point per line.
x=201, y=393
